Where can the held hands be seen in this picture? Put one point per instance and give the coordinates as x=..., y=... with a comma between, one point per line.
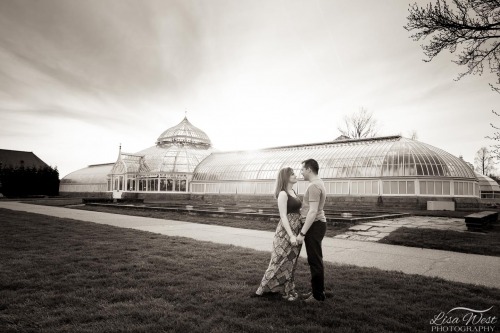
x=300, y=239
x=293, y=240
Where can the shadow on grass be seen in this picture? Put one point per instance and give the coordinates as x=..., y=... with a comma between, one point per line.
x=60, y=275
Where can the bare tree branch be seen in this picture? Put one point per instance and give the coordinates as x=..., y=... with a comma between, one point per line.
x=359, y=125
x=496, y=135
x=469, y=26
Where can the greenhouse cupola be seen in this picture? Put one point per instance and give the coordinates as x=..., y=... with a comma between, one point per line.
x=184, y=133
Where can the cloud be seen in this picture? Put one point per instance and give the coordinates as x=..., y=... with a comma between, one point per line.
x=125, y=49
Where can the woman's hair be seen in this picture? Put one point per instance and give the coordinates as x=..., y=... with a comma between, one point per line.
x=282, y=180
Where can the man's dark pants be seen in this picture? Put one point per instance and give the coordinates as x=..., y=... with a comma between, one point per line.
x=313, y=239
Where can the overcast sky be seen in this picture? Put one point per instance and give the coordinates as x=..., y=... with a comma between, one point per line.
x=77, y=78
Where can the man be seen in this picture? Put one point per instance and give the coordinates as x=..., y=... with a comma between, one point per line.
x=314, y=228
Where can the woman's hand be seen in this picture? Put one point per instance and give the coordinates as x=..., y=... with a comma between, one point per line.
x=293, y=240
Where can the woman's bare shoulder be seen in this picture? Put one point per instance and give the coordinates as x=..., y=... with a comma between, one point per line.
x=282, y=194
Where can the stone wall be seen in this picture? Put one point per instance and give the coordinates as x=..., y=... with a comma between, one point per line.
x=86, y=194
x=162, y=196
x=235, y=199
x=401, y=203
x=344, y=202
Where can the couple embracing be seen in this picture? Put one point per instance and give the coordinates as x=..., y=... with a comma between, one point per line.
x=300, y=222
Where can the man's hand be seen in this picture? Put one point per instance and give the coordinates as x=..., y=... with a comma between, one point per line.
x=300, y=239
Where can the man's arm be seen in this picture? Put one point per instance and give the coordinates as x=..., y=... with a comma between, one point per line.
x=310, y=218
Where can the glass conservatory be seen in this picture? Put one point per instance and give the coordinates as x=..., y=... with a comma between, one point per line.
x=183, y=161
x=166, y=167
x=377, y=166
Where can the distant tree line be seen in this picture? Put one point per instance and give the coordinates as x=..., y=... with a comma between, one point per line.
x=23, y=181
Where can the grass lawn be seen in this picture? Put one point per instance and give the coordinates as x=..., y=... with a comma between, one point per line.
x=62, y=275
x=254, y=224
x=467, y=242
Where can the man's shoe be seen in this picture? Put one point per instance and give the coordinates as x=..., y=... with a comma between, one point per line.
x=312, y=300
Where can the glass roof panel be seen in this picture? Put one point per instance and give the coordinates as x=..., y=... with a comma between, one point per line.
x=486, y=184
x=184, y=132
x=172, y=158
x=378, y=157
x=93, y=174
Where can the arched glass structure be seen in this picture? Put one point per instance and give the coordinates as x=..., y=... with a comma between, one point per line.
x=184, y=132
x=90, y=179
x=166, y=167
x=488, y=187
x=174, y=158
x=387, y=165
x=380, y=157
x=183, y=161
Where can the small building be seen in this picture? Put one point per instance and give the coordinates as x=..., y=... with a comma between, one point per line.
x=488, y=188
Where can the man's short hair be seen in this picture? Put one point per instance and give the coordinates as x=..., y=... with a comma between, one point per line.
x=311, y=164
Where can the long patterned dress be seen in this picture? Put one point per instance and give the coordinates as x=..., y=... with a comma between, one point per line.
x=279, y=276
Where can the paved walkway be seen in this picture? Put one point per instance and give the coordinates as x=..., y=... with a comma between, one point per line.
x=467, y=268
x=373, y=231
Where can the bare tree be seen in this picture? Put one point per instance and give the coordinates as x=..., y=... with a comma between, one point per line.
x=484, y=161
x=470, y=26
x=359, y=125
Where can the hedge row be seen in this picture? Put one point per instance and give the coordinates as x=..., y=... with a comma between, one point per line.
x=22, y=182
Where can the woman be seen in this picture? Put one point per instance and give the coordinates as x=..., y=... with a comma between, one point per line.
x=279, y=276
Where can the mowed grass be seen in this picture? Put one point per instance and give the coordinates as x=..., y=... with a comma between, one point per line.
x=62, y=275
x=249, y=223
x=466, y=242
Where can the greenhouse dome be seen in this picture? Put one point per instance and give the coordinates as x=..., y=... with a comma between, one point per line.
x=383, y=165
x=166, y=167
x=488, y=187
x=379, y=157
x=184, y=133
x=90, y=179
